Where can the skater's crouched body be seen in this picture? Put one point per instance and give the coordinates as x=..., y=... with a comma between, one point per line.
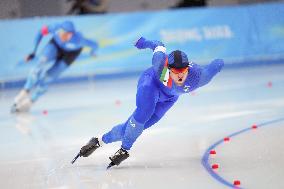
x=159, y=87
x=60, y=52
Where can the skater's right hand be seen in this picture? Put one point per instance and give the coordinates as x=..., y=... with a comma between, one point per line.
x=30, y=57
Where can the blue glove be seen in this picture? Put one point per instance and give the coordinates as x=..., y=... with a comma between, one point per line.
x=218, y=64
x=30, y=57
x=143, y=43
x=140, y=43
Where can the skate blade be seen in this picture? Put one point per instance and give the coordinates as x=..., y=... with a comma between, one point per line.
x=110, y=165
x=14, y=109
x=75, y=158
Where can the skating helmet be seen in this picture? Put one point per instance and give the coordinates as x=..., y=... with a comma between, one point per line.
x=177, y=59
x=68, y=26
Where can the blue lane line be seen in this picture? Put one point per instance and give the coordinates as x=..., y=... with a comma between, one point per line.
x=205, y=158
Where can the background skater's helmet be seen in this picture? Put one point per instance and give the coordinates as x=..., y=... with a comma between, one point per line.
x=68, y=26
x=177, y=59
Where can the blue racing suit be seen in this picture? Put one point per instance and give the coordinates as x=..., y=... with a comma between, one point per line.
x=55, y=57
x=154, y=98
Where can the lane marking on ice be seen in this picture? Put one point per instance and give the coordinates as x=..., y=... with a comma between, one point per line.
x=205, y=158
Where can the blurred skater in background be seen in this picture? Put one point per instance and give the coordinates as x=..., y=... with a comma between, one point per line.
x=159, y=87
x=61, y=51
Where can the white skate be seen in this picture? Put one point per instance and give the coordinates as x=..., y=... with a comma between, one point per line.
x=22, y=102
x=21, y=96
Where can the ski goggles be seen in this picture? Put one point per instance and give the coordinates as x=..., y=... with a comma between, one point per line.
x=179, y=70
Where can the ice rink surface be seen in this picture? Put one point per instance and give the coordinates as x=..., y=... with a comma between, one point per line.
x=36, y=148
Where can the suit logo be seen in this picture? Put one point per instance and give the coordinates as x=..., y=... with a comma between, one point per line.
x=186, y=88
x=132, y=124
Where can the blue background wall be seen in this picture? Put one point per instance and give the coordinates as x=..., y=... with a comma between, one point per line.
x=240, y=35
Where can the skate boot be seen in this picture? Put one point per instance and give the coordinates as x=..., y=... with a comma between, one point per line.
x=19, y=99
x=14, y=109
x=22, y=106
x=118, y=157
x=21, y=96
x=90, y=147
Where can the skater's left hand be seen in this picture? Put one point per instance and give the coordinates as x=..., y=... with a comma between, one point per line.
x=140, y=43
x=30, y=57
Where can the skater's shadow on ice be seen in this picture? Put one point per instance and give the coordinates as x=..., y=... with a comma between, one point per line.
x=120, y=167
x=172, y=163
x=135, y=167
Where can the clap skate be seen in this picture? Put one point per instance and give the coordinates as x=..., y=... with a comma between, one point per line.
x=88, y=149
x=118, y=157
x=22, y=102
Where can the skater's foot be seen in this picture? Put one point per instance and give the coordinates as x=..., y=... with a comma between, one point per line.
x=23, y=106
x=22, y=102
x=23, y=94
x=118, y=157
x=90, y=147
x=14, y=109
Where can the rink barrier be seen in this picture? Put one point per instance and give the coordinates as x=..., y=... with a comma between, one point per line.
x=206, y=156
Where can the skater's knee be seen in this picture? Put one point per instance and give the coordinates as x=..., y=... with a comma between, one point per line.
x=141, y=116
x=133, y=128
x=154, y=119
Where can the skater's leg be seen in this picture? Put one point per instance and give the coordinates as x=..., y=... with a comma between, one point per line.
x=49, y=76
x=115, y=134
x=46, y=60
x=132, y=129
x=118, y=131
x=128, y=132
x=22, y=101
x=146, y=100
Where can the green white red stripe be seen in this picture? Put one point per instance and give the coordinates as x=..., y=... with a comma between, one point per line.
x=165, y=75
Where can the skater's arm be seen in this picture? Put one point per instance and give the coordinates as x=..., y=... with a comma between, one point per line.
x=143, y=43
x=159, y=51
x=45, y=30
x=209, y=71
x=90, y=43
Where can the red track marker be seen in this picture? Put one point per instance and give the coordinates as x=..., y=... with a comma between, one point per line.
x=213, y=152
x=44, y=112
x=226, y=139
x=269, y=84
x=118, y=102
x=215, y=166
x=237, y=183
